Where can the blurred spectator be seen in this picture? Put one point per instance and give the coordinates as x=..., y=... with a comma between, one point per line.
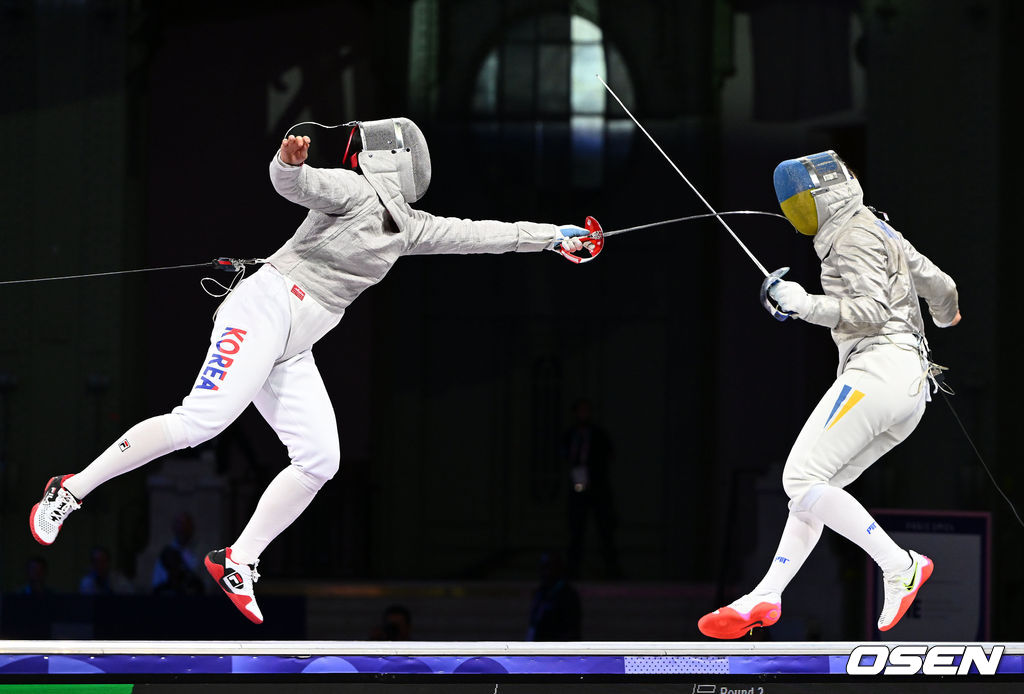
x=395, y=625
x=183, y=528
x=555, y=613
x=588, y=451
x=35, y=575
x=180, y=579
x=102, y=579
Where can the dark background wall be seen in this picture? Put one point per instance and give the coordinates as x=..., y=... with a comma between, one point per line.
x=139, y=134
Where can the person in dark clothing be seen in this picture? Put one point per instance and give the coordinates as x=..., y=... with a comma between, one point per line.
x=35, y=573
x=395, y=625
x=181, y=580
x=102, y=578
x=555, y=612
x=588, y=452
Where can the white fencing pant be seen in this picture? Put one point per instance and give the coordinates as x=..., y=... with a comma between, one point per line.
x=872, y=406
x=875, y=404
x=260, y=353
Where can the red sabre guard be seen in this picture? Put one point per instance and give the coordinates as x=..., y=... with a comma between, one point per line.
x=592, y=243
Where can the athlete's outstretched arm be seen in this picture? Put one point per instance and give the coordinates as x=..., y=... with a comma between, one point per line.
x=326, y=190
x=433, y=235
x=429, y=234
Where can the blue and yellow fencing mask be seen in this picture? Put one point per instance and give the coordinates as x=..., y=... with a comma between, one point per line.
x=797, y=181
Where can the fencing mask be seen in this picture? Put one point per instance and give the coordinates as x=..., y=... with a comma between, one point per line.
x=798, y=181
x=400, y=140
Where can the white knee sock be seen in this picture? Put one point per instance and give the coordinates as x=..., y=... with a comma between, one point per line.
x=142, y=443
x=286, y=497
x=842, y=513
x=798, y=539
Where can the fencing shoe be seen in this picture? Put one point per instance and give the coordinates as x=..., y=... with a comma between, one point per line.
x=237, y=581
x=901, y=589
x=742, y=615
x=46, y=517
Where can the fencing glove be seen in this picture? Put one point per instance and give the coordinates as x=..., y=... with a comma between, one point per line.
x=791, y=297
x=567, y=237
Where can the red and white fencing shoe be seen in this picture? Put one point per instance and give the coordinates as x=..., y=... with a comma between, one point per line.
x=46, y=517
x=237, y=581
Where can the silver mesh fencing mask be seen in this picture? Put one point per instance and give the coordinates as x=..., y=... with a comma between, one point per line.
x=401, y=139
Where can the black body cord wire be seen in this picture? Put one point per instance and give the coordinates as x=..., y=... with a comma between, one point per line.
x=226, y=264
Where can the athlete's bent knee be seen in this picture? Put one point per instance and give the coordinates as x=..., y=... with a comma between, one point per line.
x=196, y=430
x=323, y=466
x=798, y=477
x=795, y=484
x=802, y=501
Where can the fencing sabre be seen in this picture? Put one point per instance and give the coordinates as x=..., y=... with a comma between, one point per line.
x=683, y=176
x=593, y=242
x=706, y=215
x=770, y=278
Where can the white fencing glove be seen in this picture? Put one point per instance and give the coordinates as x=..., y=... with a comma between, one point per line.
x=567, y=238
x=791, y=297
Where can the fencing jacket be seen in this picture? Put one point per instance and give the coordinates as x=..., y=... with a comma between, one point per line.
x=359, y=225
x=872, y=276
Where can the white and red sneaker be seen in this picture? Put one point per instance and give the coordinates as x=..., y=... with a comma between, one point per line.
x=901, y=589
x=237, y=581
x=741, y=616
x=46, y=517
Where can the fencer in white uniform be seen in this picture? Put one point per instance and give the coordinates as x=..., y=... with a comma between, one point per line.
x=359, y=223
x=873, y=280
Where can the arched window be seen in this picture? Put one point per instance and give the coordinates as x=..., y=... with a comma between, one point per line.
x=537, y=91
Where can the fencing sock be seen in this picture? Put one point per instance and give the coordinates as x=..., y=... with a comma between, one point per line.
x=842, y=513
x=142, y=443
x=286, y=497
x=798, y=539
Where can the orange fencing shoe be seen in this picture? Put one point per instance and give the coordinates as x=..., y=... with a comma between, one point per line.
x=742, y=615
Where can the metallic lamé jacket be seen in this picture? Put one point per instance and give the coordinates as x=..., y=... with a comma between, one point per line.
x=359, y=225
x=872, y=276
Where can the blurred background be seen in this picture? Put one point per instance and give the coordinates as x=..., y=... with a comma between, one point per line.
x=138, y=134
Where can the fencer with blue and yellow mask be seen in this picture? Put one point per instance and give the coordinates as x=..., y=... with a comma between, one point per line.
x=872, y=282
x=799, y=183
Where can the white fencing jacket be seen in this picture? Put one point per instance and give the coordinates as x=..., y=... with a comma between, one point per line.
x=359, y=225
x=872, y=276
